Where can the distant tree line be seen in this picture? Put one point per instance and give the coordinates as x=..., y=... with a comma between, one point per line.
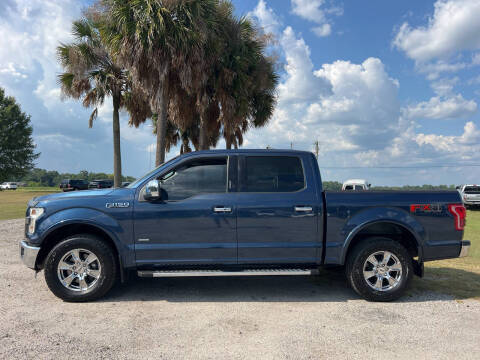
x=337, y=186
x=42, y=177
x=415, y=187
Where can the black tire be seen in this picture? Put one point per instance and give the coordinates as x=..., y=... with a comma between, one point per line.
x=357, y=259
x=106, y=259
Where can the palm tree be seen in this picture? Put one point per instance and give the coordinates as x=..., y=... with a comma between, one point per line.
x=240, y=91
x=92, y=75
x=161, y=43
x=244, y=78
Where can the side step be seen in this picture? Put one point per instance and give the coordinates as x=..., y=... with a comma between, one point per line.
x=187, y=273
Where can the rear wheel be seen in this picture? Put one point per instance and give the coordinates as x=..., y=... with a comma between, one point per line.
x=80, y=268
x=379, y=269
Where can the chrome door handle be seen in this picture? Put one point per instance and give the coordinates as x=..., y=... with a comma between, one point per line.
x=222, y=209
x=303, y=208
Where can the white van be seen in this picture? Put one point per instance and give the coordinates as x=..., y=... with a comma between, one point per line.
x=356, y=185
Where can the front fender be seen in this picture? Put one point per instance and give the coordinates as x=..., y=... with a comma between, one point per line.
x=120, y=235
x=364, y=218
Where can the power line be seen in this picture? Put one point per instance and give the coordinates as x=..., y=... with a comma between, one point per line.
x=401, y=167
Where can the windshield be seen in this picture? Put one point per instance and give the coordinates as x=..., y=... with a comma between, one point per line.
x=138, y=181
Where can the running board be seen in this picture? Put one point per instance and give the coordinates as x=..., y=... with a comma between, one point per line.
x=189, y=273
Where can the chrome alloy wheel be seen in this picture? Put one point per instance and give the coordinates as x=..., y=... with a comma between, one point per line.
x=382, y=271
x=79, y=270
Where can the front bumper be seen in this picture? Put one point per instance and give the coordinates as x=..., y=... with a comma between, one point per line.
x=28, y=254
x=465, y=248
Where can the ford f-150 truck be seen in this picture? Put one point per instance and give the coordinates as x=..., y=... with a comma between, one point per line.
x=234, y=212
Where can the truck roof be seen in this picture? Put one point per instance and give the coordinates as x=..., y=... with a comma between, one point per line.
x=243, y=151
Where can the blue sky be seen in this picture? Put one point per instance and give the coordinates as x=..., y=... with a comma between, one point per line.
x=390, y=89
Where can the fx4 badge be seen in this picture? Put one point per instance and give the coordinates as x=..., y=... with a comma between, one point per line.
x=428, y=208
x=117, y=205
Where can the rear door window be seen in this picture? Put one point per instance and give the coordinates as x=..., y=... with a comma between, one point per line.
x=273, y=174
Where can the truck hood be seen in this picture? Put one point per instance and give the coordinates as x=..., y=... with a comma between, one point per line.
x=70, y=195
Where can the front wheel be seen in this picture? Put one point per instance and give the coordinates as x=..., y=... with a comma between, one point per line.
x=80, y=268
x=379, y=269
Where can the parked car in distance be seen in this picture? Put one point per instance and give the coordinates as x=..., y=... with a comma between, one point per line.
x=126, y=183
x=239, y=212
x=100, y=184
x=356, y=185
x=9, y=186
x=73, y=184
x=470, y=194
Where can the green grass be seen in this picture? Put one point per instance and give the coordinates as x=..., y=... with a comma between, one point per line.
x=13, y=203
x=457, y=277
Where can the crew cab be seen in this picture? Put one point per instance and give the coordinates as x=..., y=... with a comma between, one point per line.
x=237, y=212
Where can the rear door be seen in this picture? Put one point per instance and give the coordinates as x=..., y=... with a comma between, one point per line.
x=277, y=210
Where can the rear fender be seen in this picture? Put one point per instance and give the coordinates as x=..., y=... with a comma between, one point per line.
x=376, y=215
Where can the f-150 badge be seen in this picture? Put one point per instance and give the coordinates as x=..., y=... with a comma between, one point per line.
x=117, y=205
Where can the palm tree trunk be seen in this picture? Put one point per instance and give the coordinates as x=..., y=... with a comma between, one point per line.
x=117, y=157
x=161, y=128
x=202, y=141
x=228, y=142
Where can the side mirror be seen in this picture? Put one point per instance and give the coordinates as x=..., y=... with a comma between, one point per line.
x=152, y=190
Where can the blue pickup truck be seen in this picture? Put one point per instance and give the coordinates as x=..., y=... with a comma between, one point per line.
x=237, y=212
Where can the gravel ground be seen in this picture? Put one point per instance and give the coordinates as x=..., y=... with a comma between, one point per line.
x=307, y=317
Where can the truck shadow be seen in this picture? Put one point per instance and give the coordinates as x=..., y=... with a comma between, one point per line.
x=329, y=286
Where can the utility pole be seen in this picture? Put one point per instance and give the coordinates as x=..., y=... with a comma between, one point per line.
x=316, y=148
x=291, y=145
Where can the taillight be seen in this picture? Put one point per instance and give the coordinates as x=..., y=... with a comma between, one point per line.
x=459, y=214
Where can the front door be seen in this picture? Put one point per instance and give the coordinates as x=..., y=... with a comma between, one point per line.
x=194, y=223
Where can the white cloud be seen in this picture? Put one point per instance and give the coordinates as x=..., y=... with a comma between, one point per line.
x=466, y=144
x=31, y=40
x=442, y=108
x=266, y=17
x=323, y=30
x=10, y=69
x=316, y=12
x=474, y=80
x=444, y=86
x=454, y=27
x=476, y=59
x=434, y=69
x=300, y=84
x=347, y=107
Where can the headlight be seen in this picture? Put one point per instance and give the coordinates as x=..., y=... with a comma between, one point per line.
x=34, y=214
